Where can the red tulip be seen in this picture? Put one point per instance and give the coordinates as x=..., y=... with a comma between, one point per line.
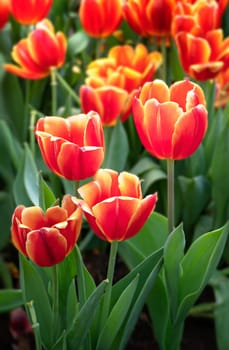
x=149, y=17
x=37, y=54
x=203, y=58
x=100, y=18
x=72, y=147
x=113, y=205
x=46, y=237
x=171, y=122
x=112, y=81
x=30, y=11
x=4, y=12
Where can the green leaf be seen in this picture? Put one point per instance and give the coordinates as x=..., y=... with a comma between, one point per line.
x=198, y=265
x=34, y=290
x=117, y=316
x=10, y=299
x=83, y=320
x=195, y=195
x=174, y=243
x=117, y=147
x=78, y=42
x=26, y=188
x=46, y=196
x=149, y=239
x=220, y=286
x=220, y=176
x=139, y=302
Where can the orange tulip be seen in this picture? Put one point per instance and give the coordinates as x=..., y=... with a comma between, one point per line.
x=112, y=81
x=100, y=18
x=203, y=58
x=171, y=122
x=71, y=147
x=4, y=12
x=222, y=89
x=113, y=205
x=37, y=54
x=30, y=11
x=149, y=17
x=46, y=237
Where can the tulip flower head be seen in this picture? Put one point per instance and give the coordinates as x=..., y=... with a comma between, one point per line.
x=149, y=17
x=4, y=12
x=46, y=237
x=171, y=122
x=114, y=206
x=113, y=80
x=35, y=55
x=100, y=18
x=29, y=11
x=72, y=147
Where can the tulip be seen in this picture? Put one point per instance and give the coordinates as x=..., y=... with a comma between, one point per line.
x=100, y=18
x=203, y=58
x=113, y=205
x=112, y=81
x=171, y=122
x=41, y=51
x=71, y=147
x=4, y=12
x=30, y=11
x=149, y=17
x=46, y=237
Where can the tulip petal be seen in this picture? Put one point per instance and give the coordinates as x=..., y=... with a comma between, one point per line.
x=33, y=217
x=189, y=132
x=145, y=208
x=156, y=89
x=129, y=185
x=40, y=243
x=55, y=215
x=179, y=93
x=113, y=216
x=19, y=234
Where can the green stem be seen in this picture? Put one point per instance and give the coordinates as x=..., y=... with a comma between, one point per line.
x=67, y=88
x=35, y=324
x=31, y=131
x=170, y=194
x=55, y=302
x=110, y=276
x=164, y=63
x=54, y=90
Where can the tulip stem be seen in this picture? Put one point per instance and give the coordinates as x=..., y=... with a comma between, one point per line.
x=68, y=88
x=110, y=276
x=35, y=324
x=55, y=302
x=31, y=131
x=170, y=194
x=54, y=90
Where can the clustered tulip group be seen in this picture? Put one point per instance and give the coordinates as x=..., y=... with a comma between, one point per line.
x=170, y=121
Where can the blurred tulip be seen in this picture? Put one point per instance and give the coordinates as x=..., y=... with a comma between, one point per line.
x=19, y=323
x=222, y=89
x=4, y=12
x=171, y=122
x=100, y=18
x=72, y=147
x=197, y=18
x=36, y=55
x=46, y=237
x=113, y=205
x=149, y=17
x=113, y=81
x=203, y=58
x=30, y=11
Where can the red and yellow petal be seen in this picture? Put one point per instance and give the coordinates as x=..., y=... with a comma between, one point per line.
x=129, y=185
x=33, y=217
x=40, y=246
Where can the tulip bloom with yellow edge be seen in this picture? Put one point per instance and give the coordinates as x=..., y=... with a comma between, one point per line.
x=112, y=81
x=171, y=121
x=100, y=18
x=42, y=50
x=114, y=206
x=46, y=237
x=30, y=11
x=72, y=147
